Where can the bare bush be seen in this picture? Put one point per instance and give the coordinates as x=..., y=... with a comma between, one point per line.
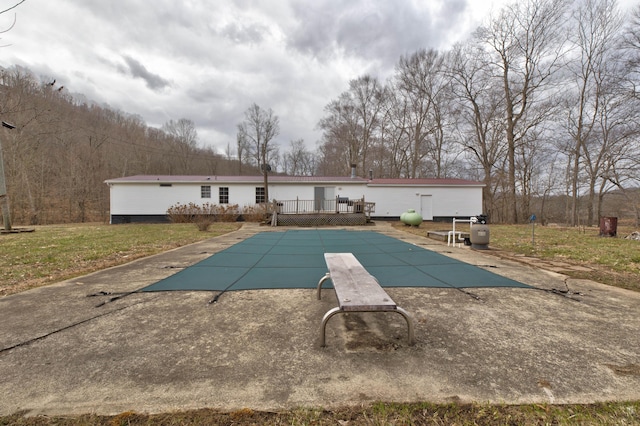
x=183, y=213
x=254, y=213
x=203, y=215
x=227, y=213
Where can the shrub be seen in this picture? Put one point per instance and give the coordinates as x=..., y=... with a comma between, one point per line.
x=255, y=213
x=203, y=215
x=183, y=213
x=203, y=222
x=227, y=213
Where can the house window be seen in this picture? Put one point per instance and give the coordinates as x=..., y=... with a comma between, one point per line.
x=260, y=195
x=223, y=194
x=167, y=185
x=205, y=191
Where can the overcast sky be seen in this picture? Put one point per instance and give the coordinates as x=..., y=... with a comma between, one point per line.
x=208, y=61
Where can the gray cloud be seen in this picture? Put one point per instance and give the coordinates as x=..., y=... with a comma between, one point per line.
x=252, y=33
x=293, y=56
x=137, y=70
x=377, y=30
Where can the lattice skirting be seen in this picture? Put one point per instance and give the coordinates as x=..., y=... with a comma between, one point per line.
x=341, y=219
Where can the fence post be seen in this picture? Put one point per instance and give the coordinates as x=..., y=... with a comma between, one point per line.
x=364, y=204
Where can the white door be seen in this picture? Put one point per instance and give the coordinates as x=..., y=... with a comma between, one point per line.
x=329, y=198
x=426, y=207
x=324, y=198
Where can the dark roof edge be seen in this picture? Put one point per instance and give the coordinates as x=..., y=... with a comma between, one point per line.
x=294, y=180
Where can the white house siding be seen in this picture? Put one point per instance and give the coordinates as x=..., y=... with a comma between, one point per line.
x=445, y=201
x=147, y=198
x=306, y=191
x=153, y=199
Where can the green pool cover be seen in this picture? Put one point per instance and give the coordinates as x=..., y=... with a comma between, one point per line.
x=294, y=259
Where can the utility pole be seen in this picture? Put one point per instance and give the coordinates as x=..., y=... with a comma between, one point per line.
x=4, y=198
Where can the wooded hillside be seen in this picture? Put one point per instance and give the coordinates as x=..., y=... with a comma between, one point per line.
x=62, y=150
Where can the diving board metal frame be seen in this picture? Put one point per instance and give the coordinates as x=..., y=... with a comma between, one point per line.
x=356, y=291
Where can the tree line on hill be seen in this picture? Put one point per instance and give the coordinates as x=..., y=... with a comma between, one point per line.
x=541, y=104
x=62, y=150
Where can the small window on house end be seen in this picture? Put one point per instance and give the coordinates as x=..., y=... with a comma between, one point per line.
x=205, y=191
x=260, y=195
x=165, y=185
x=223, y=194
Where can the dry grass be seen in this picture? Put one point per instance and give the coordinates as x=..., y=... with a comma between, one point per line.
x=619, y=413
x=613, y=261
x=58, y=252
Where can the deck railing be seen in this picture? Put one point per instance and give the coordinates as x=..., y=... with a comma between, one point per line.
x=337, y=205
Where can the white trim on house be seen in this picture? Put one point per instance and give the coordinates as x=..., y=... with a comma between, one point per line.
x=144, y=197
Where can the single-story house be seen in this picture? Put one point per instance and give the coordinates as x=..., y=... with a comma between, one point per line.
x=146, y=198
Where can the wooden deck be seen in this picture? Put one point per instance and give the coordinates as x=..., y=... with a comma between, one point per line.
x=333, y=212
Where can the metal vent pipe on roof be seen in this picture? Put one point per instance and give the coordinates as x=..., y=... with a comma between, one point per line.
x=353, y=171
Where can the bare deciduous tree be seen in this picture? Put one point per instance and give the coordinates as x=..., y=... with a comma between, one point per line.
x=259, y=128
x=351, y=123
x=631, y=43
x=526, y=44
x=299, y=160
x=415, y=82
x=185, y=141
x=595, y=39
x=481, y=124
